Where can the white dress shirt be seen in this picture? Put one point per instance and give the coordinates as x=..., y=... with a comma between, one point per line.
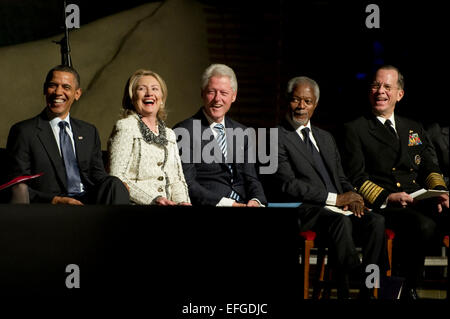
x=391, y=118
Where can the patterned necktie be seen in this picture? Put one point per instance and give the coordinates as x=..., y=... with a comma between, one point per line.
x=70, y=161
x=222, y=141
x=318, y=161
x=388, y=125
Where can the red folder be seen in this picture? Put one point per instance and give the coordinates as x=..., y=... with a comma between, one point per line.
x=19, y=179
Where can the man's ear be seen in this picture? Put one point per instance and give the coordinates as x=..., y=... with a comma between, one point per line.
x=234, y=96
x=78, y=93
x=400, y=95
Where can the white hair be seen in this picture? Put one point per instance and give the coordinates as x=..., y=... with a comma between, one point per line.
x=294, y=82
x=219, y=70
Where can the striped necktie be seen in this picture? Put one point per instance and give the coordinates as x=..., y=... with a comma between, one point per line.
x=222, y=141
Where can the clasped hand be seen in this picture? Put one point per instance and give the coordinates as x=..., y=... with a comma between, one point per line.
x=251, y=203
x=351, y=201
x=162, y=201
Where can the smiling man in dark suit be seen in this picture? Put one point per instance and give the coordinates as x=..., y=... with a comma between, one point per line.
x=387, y=157
x=225, y=176
x=310, y=171
x=66, y=150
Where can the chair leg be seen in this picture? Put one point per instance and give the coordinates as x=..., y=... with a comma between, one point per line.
x=389, y=250
x=318, y=289
x=446, y=242
x=305, y=261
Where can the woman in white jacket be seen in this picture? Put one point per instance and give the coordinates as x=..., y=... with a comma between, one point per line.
x=143, y=152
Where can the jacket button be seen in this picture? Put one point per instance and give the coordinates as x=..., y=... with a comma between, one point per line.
x=160, y=178
x=414, y=181
x=398, y=185
x=160, y=189
x=393, y=169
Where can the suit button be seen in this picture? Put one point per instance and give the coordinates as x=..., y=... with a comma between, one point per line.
x=411, y=169
x=160, y=178
x=414, y=181
x=398, y=185
x=160, y=189
x=393, y=169
x=160, y=163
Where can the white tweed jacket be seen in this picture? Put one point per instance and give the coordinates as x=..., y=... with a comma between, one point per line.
x=150, y=170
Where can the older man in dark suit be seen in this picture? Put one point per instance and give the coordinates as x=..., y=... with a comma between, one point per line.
x=310, y=172
x=66, y=150
x=388, y=157
x=215, y=150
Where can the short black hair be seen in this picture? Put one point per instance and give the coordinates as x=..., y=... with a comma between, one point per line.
x=62, y=68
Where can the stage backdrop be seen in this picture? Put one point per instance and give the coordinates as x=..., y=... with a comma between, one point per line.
x=168, y=37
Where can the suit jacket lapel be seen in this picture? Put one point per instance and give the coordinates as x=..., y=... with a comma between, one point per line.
x=327, y=153
x=231, y=144
x=403, y=134
x=78, y=138
x=218, y=156
x=48, y=141
x=377, y=130
x=297, y=141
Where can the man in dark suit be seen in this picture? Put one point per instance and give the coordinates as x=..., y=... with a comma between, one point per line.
x=215, y=150
x=387, y=157
x=439, y=137
x=310, y=171
x=66, y=150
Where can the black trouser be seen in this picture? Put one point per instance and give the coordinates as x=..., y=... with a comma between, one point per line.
x=111, y=191
x=417, y=228
x=340, y=233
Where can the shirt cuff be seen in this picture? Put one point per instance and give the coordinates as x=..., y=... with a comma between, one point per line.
x=225, y=202
x=384, y=205
x=257, y=200
x=331, y=199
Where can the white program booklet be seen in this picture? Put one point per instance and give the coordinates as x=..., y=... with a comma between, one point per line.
x=338, y=210
x=427, y=193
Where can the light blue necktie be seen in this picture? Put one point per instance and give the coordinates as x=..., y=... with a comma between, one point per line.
x=222, y=140
x=70, y=161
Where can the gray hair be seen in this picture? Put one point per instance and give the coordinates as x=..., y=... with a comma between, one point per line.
x=401, y=80
x=294, y=82
x=219, y=70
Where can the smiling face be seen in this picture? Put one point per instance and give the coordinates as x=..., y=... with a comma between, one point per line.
x=148, y=96
x=302, y=103
x=218, y=95
x=60, y=93
x=385, y=92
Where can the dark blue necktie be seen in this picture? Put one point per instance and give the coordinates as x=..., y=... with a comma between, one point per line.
x=318, y=161
x=222, y=140
x=70, y=161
